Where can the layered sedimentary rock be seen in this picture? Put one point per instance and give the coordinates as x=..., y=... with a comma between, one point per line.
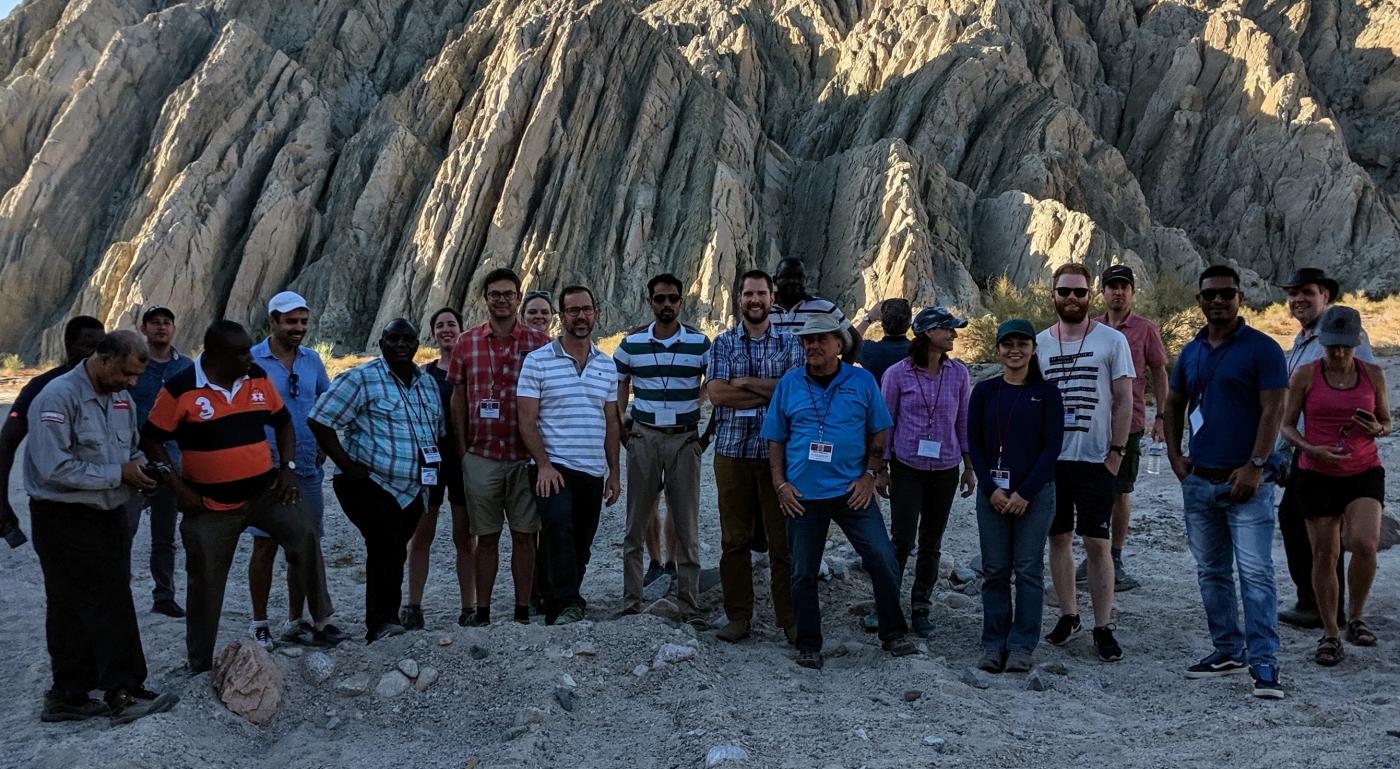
x=380, y=157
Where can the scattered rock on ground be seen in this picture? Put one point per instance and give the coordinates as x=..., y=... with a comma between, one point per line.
x=291, y=650
x=353, y=686
x=1037, y=682
x=1056, y=668
x=247, y=681
x=640, y=670
x=725, y=754
x=318, y=667
x=565, y=697
x=670, y=654
x=962, y=574
x=392, y=684
x=478, y=652
x=975, y=678
x=585, y=649
x=935, y=742
x=912, y=695
x=409, y=667
x=427, y=676
x=955, y=600
x=527, y=716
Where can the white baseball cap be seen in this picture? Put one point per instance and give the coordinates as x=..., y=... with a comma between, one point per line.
x=286, y=302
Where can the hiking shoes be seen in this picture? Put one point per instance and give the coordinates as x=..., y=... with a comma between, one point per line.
x=127, y=705
x=168, y=607
x=1064, y=629
x=80, y=709
x=569, y=615
x=1018, y=662
x=810, y=660
x=992, y=662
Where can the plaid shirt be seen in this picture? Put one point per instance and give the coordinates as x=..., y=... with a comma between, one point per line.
x=735, y=354
x=490, y=368
x=385, y=425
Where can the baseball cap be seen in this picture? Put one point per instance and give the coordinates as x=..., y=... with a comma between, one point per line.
x=1339, y=326
x=1015, y=327
x=157, y=309
x=931, y=318
x=286, y=302
x=824, y=324
x=1118, y=272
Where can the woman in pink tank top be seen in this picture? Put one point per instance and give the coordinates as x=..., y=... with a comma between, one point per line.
x=1340, y=480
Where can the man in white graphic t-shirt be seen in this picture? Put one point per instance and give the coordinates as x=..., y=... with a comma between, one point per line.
x=1093, y=366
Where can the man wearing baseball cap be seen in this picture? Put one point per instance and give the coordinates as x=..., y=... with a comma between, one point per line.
x=823, y=473
x=300, y=377
x=162, y=364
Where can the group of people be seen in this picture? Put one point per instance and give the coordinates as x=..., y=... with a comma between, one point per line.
x=514, y=428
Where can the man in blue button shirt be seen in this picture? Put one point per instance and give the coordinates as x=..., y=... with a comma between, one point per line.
x=824, y=472
x=1229, y=387
x=300, y=377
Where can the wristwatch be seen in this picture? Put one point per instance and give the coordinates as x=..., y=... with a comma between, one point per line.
x=1121, y=451
x=1259, y=462
x=290, y=465
x=870, y=473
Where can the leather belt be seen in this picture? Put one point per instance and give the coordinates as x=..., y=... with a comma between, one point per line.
x=1214, y=476
x=673, y=430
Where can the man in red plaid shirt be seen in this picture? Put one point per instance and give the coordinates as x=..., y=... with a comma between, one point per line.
x=484, y=371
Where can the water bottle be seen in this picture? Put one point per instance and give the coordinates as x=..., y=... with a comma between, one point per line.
x=1156, y=457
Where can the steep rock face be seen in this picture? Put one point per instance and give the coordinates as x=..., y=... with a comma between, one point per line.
x=381, y=157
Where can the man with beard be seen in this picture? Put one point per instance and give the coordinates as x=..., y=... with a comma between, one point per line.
x=793, y=306
x=744, y=366
x=1310, y=292
x=567, y=398
x=1093, y=367
x=1229, y=387
x=664, y=363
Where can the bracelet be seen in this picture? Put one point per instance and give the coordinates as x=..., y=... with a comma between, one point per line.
x=781, y=485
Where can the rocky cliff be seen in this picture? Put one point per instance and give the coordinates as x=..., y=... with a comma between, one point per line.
x=380, y=155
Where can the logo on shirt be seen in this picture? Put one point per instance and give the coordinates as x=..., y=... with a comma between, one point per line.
x=206, y=409
x=258, y=397
x=121, y=406
x=56, y=417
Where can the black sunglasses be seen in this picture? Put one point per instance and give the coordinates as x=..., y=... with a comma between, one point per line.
x=666, y=298
x=292, y=388
x=1077, y=293
x=1224, y=294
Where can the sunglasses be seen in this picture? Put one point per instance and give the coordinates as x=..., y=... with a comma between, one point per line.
x=1077, y=293
x=1222, y=294
x=293, y=388
x=665, y=298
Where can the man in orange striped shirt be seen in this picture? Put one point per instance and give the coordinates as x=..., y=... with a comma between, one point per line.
x=216, y=412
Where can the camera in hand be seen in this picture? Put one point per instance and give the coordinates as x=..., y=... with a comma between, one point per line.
x=11, y=532
x=159, y=472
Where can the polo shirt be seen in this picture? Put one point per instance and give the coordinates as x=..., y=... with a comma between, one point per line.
x=155, y=376
x=843, y=413
x=223, y=447
x=312, y=381
x=1145, y=345
x=572, y=419
x=791, y=319
x=490, y=368
x=78, y=441
x=665, y=373
x=736, y=354
x=877, y=357
x=1224, y=383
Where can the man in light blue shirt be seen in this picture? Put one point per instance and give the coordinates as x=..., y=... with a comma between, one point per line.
x=300, y=377
x=823, y=471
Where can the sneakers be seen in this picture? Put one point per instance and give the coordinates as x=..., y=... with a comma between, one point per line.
x=569, y=615
x=810, y=660
x=1217, y=664
x=923, y=626
x=168, y=607
x=900, y=647
x=734, y=632
x=1122, y=580
x=654, y=570
x=387, y=630
x=1266, y=683
x=301, y=633
x=870, y=622
x=1066, y=627
x=1018, y=662
x=1106, y=645
x=262, y=635
x=127, y=705
x=1081, y=574
x=328, y=636
x=81, y=709
x=992, y=662
x=411, y=617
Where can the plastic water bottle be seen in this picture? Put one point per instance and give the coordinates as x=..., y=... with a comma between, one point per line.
x=1156, y=457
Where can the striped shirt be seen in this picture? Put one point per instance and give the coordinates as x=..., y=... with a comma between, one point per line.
x=224, y=454
x=386, y=425
x=735, y=354
x=572, y=419
x=665, y=373
x=1085, y=370
x=790, y=320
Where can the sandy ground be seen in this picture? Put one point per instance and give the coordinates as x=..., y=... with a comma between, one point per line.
x=1139, y=712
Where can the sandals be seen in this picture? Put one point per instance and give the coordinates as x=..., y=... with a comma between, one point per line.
x=1329, y=652
x=1360, y=635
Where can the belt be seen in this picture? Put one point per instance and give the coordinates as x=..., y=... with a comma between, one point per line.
x=1214, y=476
x=673, y=430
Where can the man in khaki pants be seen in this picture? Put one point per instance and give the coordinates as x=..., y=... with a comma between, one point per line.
x=662, y=365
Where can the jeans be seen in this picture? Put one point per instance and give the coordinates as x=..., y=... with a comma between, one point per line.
x=1221, y=532
x=919, y=505
x=386, y=528
x=1014, y=545
x=568, y=523
x=865, y=528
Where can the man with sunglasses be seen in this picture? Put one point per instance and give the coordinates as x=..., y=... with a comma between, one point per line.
x=664, y=364
x=1092, y=365
x=299, y=376
x=1310, y=292
x=1229, y=387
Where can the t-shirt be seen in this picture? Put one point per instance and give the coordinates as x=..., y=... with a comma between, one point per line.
x=155, y=376
x=444, y=386
x=1145, y=342
x=665, y=373
x=791, y=319
x=1224, y=382
x=19, y=412
x=1085, y=370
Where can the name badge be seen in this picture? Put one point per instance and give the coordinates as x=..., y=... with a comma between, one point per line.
x=1002, y=479
x=1070, y=419
x=431, y=455
x=664, y=418
x=819, y=452
x=930, y=448
x=746, y=413
x=489, y=409
x=1198, y=420
x=428, y=476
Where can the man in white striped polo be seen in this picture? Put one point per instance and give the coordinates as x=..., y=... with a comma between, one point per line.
x=567, y=403
x=663, y=365
x=793, y=306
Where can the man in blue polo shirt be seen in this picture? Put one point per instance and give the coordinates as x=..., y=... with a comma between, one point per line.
x=1228, y=389
x=823, y=474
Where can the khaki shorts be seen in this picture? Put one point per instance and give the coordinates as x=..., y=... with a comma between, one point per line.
x=499, y=492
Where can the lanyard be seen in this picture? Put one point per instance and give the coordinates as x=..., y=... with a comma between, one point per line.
x=492, y=388
x=937, y=391
x=826, y=403
x=1004, y=428
x=755, y=364
x=414, y=415
x=1205, y=379
x=652, y=343
x=1059, y=338
x=1295, y=356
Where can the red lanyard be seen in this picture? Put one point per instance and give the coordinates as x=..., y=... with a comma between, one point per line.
x=491, y=361
x=1004, y=428
x=937, y=390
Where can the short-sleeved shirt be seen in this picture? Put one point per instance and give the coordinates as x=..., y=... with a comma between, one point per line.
x=1224, y=383
x=223, y=447
x=19, y=411
x=790, y=319
x=573, y=420
x=155, y=376
x=78, y=441
x=1145, y=343
x=385, y=424
x=311, y=382
x=927, y=410
x=490, y=368
x=841, y=414
x=735, y=354
x=1307, y=349
x=666, y=375
x=1085, y=371
x=877, y=357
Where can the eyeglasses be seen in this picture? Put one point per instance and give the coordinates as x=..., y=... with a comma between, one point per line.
x=292, y=387
x=574, y=312
x=1077, y=293
x=665, y=298
x=497, y=296
x=1221, y=294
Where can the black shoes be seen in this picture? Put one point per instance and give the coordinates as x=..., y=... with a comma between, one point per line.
x=168, y=607
x=387, y=630
x=1064, y=629
x=127, y=705
x=810, y=660
x=411, y=617
x=900, y=647
x=1106, y=645
x=81, y=709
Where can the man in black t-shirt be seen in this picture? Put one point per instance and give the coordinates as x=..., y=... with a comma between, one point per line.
x=80, y=338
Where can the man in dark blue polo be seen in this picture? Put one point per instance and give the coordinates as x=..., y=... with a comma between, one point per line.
x=824, y=472
x=1228, y=389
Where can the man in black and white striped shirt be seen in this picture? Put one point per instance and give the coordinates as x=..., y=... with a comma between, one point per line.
x=793, y=306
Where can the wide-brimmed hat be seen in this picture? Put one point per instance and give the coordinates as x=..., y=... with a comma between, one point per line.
x=1305, y=275
x=931, y=318
x=1339, y=326
x=825, y=324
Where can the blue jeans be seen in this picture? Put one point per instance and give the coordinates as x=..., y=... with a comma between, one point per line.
x=806, y=536
x=1014, y=545
x=1223, y=533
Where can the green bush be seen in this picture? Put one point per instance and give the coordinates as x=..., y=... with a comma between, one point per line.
x=11, y=364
